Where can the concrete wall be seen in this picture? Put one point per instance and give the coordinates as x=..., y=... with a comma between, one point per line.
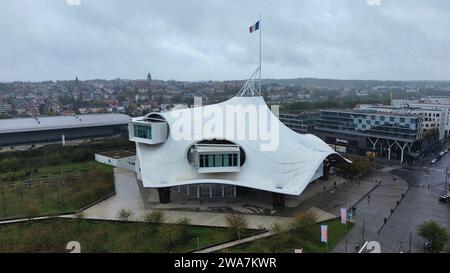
x=127, y=163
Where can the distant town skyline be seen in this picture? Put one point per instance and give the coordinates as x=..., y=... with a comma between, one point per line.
x=199, y=41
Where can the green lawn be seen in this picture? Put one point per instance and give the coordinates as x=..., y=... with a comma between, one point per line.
x=53, y=172
x=107, y=236
x=285, y=244
x=84, y=183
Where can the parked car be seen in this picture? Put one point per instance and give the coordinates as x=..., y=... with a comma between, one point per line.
x=441, y=154
x=434, y=160
x=446, y=150
x=444, y=198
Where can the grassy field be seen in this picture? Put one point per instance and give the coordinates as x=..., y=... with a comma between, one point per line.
x=83, y=184
x=52, y=172
x=283, y=243
x=108, y=236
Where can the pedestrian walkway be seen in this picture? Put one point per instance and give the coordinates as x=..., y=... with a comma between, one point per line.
x=235, y=243
x=371, y=213
x=128, y=197
x=23, y=220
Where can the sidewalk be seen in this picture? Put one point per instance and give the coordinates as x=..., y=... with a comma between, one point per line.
x=128, y=197
x=235, y=243
x=370, y=214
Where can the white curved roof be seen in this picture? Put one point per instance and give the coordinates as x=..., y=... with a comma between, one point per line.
x=61, y=122
x=288, y=169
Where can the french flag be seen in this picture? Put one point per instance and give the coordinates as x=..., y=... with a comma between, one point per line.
x=253, y=28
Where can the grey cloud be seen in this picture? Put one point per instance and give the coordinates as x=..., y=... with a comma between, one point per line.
x=202, y=40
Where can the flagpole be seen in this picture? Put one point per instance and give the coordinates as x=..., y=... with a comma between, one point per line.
x=260, y=68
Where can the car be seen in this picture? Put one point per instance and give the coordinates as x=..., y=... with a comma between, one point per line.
x=444, y=198
x=446, y=150
x=426, y=245
x=434, y=160
x=441, y=153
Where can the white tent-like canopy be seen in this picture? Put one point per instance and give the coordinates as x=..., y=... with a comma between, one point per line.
x=287, y=167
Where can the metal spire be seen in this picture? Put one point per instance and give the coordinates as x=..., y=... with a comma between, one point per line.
x=250, y=89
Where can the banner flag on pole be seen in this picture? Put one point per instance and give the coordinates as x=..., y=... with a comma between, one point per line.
x=254, y=28
x=343, y=215
x=324, y=233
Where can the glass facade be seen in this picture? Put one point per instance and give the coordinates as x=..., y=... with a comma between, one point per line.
x=216, y=191
x=229, y=191
x=143, y=131
x=301, y=123
x=218, y=160
x=207, y=190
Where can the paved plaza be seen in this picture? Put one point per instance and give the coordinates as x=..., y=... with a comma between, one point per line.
x=325, y=203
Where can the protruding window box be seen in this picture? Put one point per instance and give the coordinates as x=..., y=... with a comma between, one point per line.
x=148, y=132
x=217, y=158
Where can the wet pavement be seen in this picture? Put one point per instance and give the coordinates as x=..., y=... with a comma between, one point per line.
x=420, y=204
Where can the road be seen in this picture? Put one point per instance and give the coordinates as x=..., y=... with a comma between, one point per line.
x=420, y=204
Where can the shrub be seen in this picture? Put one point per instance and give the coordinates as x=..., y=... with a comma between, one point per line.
x=124, y=215
x=435, y=234
x=234, y=223
x=302, y=226
x=155, y=218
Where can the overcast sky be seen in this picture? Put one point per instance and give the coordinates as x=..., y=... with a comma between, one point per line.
x=209, y=40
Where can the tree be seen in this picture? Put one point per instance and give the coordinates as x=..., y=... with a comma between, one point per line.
x=124, y=215
x=155, y=218
x=447, y=248
x=359, y=166
x=235, y=222
x=184, y=224
x=277, y=228
x=435, y=234
x=302, y=225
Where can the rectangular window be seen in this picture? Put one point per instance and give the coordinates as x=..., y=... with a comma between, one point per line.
x=143, y=131
x=183, y=189
x=226, y=160
x=202, y=161
x=193, y=190
x=228, y=191
x=210, y=161
x=205, y=191
x=218, y=161
x=217, y=191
